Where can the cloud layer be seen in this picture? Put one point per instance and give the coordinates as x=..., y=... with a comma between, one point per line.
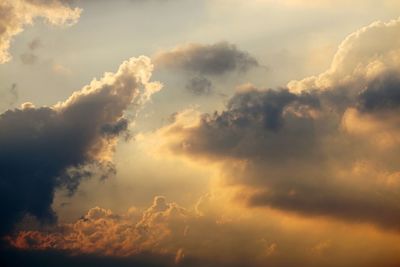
x=47, y=148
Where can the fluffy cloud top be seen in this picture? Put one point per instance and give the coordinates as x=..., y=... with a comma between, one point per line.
x=363, y=56
x=50, y=147
x=16, y=14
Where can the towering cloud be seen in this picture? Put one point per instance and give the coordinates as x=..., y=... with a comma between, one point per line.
x=46, y=148
x=15, y=14
x=324, y=146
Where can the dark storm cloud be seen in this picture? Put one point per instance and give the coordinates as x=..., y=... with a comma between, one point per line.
x=199, y=86
x=45, y=148
x=215, y=59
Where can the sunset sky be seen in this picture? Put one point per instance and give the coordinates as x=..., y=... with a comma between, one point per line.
x=200, y=133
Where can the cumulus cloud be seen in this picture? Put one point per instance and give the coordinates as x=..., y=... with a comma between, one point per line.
x=46, y=148
x=363, y=56
x=16, y=14
x=189, y=237
x=206, y=235
x=324, y=146
x=101, y=231
x=214, y=59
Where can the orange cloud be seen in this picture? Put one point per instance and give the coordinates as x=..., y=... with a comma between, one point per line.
x=214, y=234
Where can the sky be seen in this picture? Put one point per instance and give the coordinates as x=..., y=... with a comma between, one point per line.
x=197, y=133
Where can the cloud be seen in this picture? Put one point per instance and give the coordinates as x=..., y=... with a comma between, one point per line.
x=101, y=231
x=200, y=64
x=215, y=59
x=187, y=237
x=35, y=44
x=381, y=93
x=9, y=97
x=209, y=234
x=363, y=56
x=199, y=86
x=29, y=57
x=16, y=14
x=325, y=146
x=46, y=148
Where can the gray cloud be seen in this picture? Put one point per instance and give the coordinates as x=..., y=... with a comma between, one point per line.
x=51, y=147
x=9, y=97
x=215, y=59
x=199, y=86
x=35, y=44
x=29, y=57
x=381, y=93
